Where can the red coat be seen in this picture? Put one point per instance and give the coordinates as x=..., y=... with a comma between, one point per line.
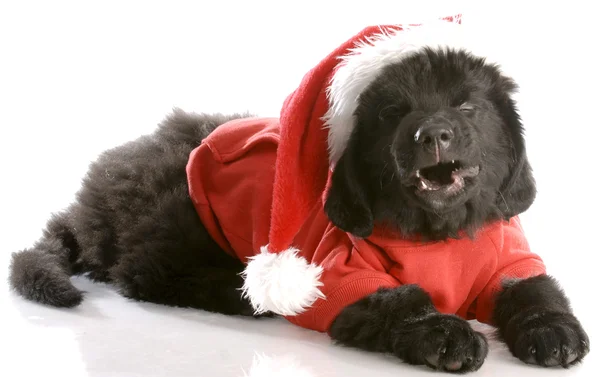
x=231, y=177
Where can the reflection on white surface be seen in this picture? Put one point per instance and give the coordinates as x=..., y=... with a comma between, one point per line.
x=275, y=366
x=102, y=74
x=110, y=336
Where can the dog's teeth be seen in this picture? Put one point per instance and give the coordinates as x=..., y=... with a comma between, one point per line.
x=418, y=174
x=452, y=161
x=422, y=185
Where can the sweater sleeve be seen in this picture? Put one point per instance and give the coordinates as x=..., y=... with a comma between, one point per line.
x=348, y=276
x=515, y=260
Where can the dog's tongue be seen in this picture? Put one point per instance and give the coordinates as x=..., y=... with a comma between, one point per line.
x=456, y=180
x=457, y=183
x=425, y=184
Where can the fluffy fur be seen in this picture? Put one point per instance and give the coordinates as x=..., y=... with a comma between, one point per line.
x=404, y=322
x=535, y=320
x=133, y=223
x=371, y=180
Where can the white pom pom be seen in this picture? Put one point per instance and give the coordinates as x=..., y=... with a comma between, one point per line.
x=282, y=283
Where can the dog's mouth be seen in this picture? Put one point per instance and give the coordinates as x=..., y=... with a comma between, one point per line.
x=446, y=177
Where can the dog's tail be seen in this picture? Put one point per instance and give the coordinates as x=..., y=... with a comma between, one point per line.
x=42, y=273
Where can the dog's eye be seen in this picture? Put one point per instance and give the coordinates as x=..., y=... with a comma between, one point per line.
x=393, y=112
x=466, y=108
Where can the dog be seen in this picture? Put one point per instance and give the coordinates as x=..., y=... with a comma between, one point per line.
x=435, y=163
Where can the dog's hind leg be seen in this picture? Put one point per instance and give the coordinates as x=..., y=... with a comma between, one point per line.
x=172, y=260
x=156, y=278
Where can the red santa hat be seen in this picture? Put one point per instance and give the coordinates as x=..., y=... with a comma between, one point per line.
x=316, y=122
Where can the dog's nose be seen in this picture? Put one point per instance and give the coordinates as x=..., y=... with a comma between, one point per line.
x=432, y=135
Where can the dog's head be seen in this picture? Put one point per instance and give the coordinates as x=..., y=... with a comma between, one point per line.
x=437, y=148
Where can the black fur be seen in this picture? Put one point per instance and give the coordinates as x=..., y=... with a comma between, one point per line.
x=371, y=186
x=535, y=320
x=134, y=225
x=367, y=186
x=403, y=321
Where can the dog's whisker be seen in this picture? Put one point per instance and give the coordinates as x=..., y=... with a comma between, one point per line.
x=504, y=200
x=381, y=175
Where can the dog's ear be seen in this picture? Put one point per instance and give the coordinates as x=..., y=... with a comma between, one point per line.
x=518, y=190
x=347, y=204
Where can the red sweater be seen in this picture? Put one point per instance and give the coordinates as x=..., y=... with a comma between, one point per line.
x=231, y=178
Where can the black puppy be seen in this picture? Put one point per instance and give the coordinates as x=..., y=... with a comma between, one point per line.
x=481, y=129
x=133, y=223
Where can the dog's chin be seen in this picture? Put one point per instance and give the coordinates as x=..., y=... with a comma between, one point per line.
x=442, y=187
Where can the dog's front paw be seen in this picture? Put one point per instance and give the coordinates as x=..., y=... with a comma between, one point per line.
x=442, y=342
x=547, y=338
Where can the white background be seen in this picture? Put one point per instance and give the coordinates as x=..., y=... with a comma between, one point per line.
x=79, y=77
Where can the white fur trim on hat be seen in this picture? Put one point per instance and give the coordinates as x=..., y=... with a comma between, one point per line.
x=283, y=283
x=362, y=66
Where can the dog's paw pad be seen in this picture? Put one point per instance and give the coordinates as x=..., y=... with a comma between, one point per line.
x=451, y=345
x=549, y=339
